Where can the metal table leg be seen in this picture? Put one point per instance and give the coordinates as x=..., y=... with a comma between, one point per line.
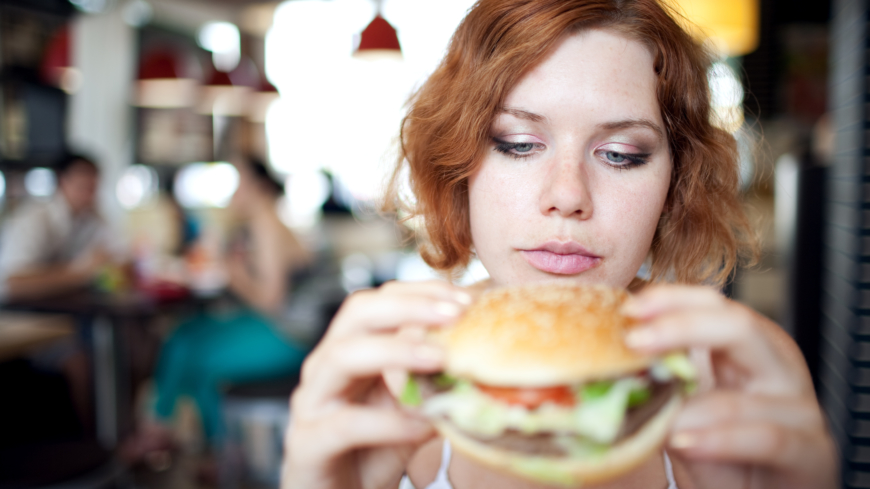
x=105, y=381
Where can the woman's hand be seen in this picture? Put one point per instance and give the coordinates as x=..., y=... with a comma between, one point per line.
x=346, y=430
x=757, y=424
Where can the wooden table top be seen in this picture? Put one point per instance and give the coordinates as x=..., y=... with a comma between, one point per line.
x=21, y=332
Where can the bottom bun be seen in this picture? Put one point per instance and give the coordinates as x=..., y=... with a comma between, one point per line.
x=570, y=471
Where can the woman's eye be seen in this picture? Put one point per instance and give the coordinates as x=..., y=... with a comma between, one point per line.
x=624, y=160
x=514, y=149
x=523, y=147
x=614, y=157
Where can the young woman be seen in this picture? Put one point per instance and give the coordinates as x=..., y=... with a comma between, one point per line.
x=211, y=350
x=568, y=140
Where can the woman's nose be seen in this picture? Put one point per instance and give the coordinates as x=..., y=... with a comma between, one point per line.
x=565, y=191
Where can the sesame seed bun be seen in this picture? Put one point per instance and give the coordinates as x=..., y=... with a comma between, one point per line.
x=541, y=335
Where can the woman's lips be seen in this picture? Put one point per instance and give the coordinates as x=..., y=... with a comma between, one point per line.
x=561, y=258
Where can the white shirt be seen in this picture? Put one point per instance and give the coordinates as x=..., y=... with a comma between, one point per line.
x=46, y=233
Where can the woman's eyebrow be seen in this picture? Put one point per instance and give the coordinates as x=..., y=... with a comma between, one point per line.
x=633, y=123
x=522, y=114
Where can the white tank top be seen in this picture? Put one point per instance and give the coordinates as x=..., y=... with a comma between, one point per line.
x=442, y=482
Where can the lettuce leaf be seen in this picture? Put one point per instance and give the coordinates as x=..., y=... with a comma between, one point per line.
x=600, y=419
x=595, y=390
x=443, y=380
x=674, y=365
x=680, y=365
x=597, y=419
x=411, y=394
x=639, y=396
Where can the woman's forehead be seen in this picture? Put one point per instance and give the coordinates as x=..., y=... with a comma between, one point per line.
x=598, y=72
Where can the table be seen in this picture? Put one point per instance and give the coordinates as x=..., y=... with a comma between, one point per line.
x=106, y=313
x=22, y=332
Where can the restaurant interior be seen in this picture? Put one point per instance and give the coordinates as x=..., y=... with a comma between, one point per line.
x=169, y=109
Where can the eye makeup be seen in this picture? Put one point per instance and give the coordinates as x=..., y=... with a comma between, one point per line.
x=622, y=145
x=623, y=161
x=520, y=149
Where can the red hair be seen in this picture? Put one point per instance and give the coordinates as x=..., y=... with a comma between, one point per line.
x=702, y=231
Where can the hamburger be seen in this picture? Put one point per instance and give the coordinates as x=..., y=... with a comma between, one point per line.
x=538, y=383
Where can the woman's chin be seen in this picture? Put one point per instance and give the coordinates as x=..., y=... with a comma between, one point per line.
x=531, y=275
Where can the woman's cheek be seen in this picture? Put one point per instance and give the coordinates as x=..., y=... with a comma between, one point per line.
x=633, y=215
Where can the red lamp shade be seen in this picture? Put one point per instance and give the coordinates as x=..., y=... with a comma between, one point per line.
x=227, y=94
x=219, y=78
x=161, y=83
x=56, y=68
x=158, y=65
x=379, y=39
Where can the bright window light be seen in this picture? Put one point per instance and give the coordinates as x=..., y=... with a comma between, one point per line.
x=412, y=268
x=136, y=186
x=200, y=185
x=726, y=93
x=137, y=13
x=305, y=193
x=351, y=106
x=2, y=185
x=424, y=30
x=91, y=6
x=40, y=182
x=224, y=42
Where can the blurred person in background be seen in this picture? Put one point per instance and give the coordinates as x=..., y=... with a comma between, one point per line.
x=53, y=246
x=211, y=350
x=56, y=245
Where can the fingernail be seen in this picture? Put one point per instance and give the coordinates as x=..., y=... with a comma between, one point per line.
x=683, y=440
x=640, y=338
x=428, y=353
x=463, y=298
x=448, y=309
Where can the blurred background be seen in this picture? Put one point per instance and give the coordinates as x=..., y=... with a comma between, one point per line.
x=177, y=106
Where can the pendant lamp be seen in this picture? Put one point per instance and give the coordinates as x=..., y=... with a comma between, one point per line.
x=378, y=41
x=731, y=26
x=161, y=82
x=56, y=68
x=227, y=94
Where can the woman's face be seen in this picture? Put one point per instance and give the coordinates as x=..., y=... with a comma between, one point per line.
x=578, y=167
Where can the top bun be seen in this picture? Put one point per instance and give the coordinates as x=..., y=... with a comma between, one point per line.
x=543, y=334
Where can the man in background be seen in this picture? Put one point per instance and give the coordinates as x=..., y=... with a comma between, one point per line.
x=57, y=245
x=49, y=247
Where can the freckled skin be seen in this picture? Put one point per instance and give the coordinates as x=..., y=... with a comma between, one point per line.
x=567, y=190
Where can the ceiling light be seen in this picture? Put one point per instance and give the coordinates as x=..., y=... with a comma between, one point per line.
x=378, y=41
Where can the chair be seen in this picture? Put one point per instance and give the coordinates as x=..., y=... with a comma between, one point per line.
x=256, y=413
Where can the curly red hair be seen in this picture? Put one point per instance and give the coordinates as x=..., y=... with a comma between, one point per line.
x=703, y=231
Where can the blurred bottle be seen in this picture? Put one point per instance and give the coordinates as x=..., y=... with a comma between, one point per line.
x=206, y=274
x=113, y=279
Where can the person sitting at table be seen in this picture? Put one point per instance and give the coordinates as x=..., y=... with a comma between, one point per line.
x=55, y=245
x=210, y=350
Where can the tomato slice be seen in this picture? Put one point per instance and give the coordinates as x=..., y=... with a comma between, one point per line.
x=530, y=397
